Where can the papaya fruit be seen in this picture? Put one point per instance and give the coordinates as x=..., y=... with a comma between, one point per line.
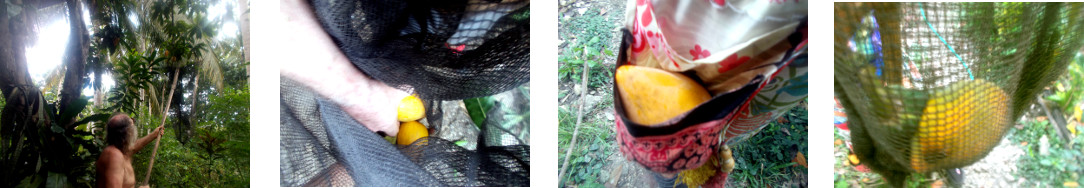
x=652, y=96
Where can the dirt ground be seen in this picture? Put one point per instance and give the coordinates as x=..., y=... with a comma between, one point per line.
x=619, y=172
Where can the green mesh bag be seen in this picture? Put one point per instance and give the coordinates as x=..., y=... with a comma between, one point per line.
x=934, y=86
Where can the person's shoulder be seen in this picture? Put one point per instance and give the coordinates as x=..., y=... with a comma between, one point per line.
x=111, y=154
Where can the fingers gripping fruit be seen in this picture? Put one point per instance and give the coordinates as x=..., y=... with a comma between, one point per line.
x=411, y=109
x=652, y=96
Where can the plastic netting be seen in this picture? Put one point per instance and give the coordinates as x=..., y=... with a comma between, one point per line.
x=441, y=49
x=323, y=146
x=932, y=86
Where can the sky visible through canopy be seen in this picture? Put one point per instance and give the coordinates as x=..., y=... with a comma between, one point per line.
x=52, y=39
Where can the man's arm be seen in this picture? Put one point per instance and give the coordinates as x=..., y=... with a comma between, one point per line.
x=315, y=61
x=145, y=140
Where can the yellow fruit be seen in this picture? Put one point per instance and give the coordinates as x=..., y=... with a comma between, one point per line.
x=411, y=109
x=409, y=132
x=853, y=159
x=959, y=125
x=653, y=96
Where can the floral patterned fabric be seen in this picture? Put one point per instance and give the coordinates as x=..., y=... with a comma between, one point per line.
x=749, y=54
x=712, y=37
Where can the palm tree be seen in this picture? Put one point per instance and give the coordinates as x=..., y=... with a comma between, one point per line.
x=37, y=140
x=174, y=38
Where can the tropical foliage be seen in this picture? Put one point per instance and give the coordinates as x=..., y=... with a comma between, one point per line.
x=150, y=50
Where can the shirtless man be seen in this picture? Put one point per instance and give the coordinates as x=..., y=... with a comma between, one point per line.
x=115, y=163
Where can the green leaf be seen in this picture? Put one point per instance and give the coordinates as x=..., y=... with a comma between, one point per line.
x=56, y=129
x=31, y=181
x=57, y=180
x=93, y=118
x=477, y=108
x=461, y=143
x=608, y=52
x=783, y=165
x=73, y=110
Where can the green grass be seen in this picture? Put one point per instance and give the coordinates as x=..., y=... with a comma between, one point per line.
x=765, y=159
x=590, y=48
x=594, y=143
x=593, y=146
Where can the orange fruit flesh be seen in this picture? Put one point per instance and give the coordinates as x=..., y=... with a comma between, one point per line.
x=653, y=96
x=409, y=132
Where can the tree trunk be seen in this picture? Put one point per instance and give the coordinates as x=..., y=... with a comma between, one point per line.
x=195, y=97
x=75, y=60
x=23, y=98
x=15, y=83
x=183, y=127
x=13, y=32
x=245, y=35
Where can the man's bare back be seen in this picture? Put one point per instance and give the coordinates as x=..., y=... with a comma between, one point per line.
x=114, y=165
x=116, y=168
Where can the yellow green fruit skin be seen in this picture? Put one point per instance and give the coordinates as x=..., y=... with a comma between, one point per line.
x=959, y=125
x=653, y=96
x=410, y=109
x=410, y=132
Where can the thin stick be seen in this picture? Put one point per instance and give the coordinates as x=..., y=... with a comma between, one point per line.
x=579, y=119
x=154, y=153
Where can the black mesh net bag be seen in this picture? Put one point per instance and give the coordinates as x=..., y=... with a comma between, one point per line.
x=935, y=86
x=323, y=146
x=442, y=49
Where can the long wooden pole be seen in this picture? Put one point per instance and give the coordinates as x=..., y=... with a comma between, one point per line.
x=579, y=119
x=154, y=153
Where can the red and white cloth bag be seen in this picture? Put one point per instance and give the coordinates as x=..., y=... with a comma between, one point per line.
x=727, y=44
x=710, y=37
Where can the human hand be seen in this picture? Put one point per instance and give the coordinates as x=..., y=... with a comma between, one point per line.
x=314, y=60
x=157, y=132
x=145, y=186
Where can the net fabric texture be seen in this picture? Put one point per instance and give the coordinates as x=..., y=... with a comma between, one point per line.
x=443, y=50
x=323, y=146
x=933, y=86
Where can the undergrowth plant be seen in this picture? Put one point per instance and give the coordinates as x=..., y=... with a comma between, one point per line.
x=594, y=142
x=1061, y=165
x=595, y=32
x=571, y=69
x=592, y=150
x=766, y=158
x=1069, y=90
